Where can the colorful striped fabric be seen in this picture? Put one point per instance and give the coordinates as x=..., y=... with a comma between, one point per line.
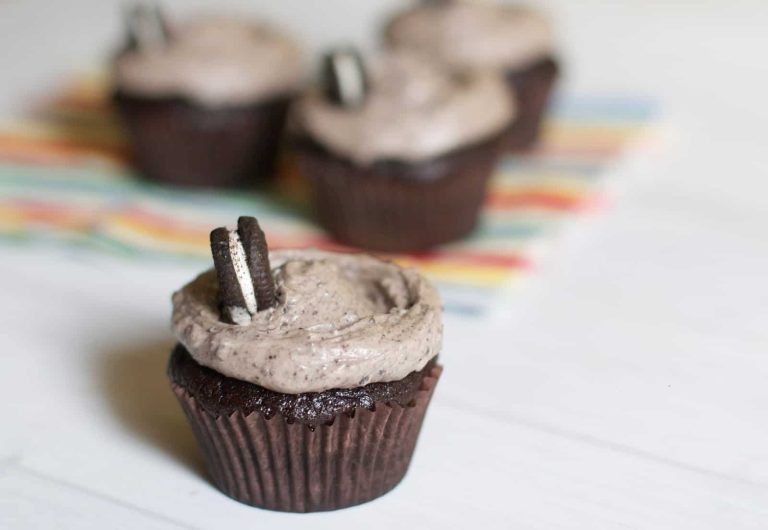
x=65, y=176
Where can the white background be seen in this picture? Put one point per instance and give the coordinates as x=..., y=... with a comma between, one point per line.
x=626, y=389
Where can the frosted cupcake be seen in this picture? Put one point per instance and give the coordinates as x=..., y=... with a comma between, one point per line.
x=398, y=153
x=205, y=101
x=305, y=381
x=513, y=40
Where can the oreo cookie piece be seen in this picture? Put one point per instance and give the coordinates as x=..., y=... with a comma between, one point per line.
x=241, y=258
x=146, y=25
x=344, y=78
x=257, y=258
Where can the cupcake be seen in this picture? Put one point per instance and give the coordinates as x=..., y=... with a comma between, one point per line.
x=305, y=375
x=205, y=101
x=397, y=153
x=514, y=40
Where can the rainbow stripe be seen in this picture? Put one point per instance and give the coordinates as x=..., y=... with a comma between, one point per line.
x=64, y=176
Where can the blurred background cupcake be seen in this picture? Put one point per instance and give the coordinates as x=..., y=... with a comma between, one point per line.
x=514, y=40
x=205, y=101
x=397, y=154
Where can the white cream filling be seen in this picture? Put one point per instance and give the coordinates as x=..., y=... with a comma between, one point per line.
x=349, y=78
x=243, y=275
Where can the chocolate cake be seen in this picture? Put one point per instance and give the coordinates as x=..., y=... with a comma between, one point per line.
x=223, y=396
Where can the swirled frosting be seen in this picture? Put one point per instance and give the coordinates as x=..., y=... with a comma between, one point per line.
x=214, y=61
x=341, y=321
x=473, y=33
x=413, y=111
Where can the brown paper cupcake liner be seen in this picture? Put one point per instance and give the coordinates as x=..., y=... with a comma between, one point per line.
x=398, y=206
x=177, y=142
x=292, y=467
x=532, y=88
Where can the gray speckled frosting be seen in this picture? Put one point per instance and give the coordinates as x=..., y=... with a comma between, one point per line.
x=214, y=61
x=341, y=321
x=415, y=110
x=474, y=33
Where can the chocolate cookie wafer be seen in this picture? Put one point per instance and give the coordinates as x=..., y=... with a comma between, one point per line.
x=146, y=26
x=241, y=258
x=257, y=257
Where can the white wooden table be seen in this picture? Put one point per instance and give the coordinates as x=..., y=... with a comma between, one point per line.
x=627, y=389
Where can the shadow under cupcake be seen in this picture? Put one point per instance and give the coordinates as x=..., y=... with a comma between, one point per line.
x=205, y=102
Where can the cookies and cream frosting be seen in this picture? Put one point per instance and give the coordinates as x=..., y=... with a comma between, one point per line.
x=340, y=321
x=474, y=33
x=413, y=111
x=213, y=61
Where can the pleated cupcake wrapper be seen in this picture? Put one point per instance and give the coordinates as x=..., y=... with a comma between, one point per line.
x=185, y=144
x=273, y=464
x=400, y=208
x=532, y=89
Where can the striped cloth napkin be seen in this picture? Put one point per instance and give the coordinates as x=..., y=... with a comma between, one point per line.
x=65, y=177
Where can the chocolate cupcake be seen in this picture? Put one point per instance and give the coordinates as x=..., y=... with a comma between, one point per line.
x=205, y=101
x=304, y=382
x=514, y=40
x=398, y=155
